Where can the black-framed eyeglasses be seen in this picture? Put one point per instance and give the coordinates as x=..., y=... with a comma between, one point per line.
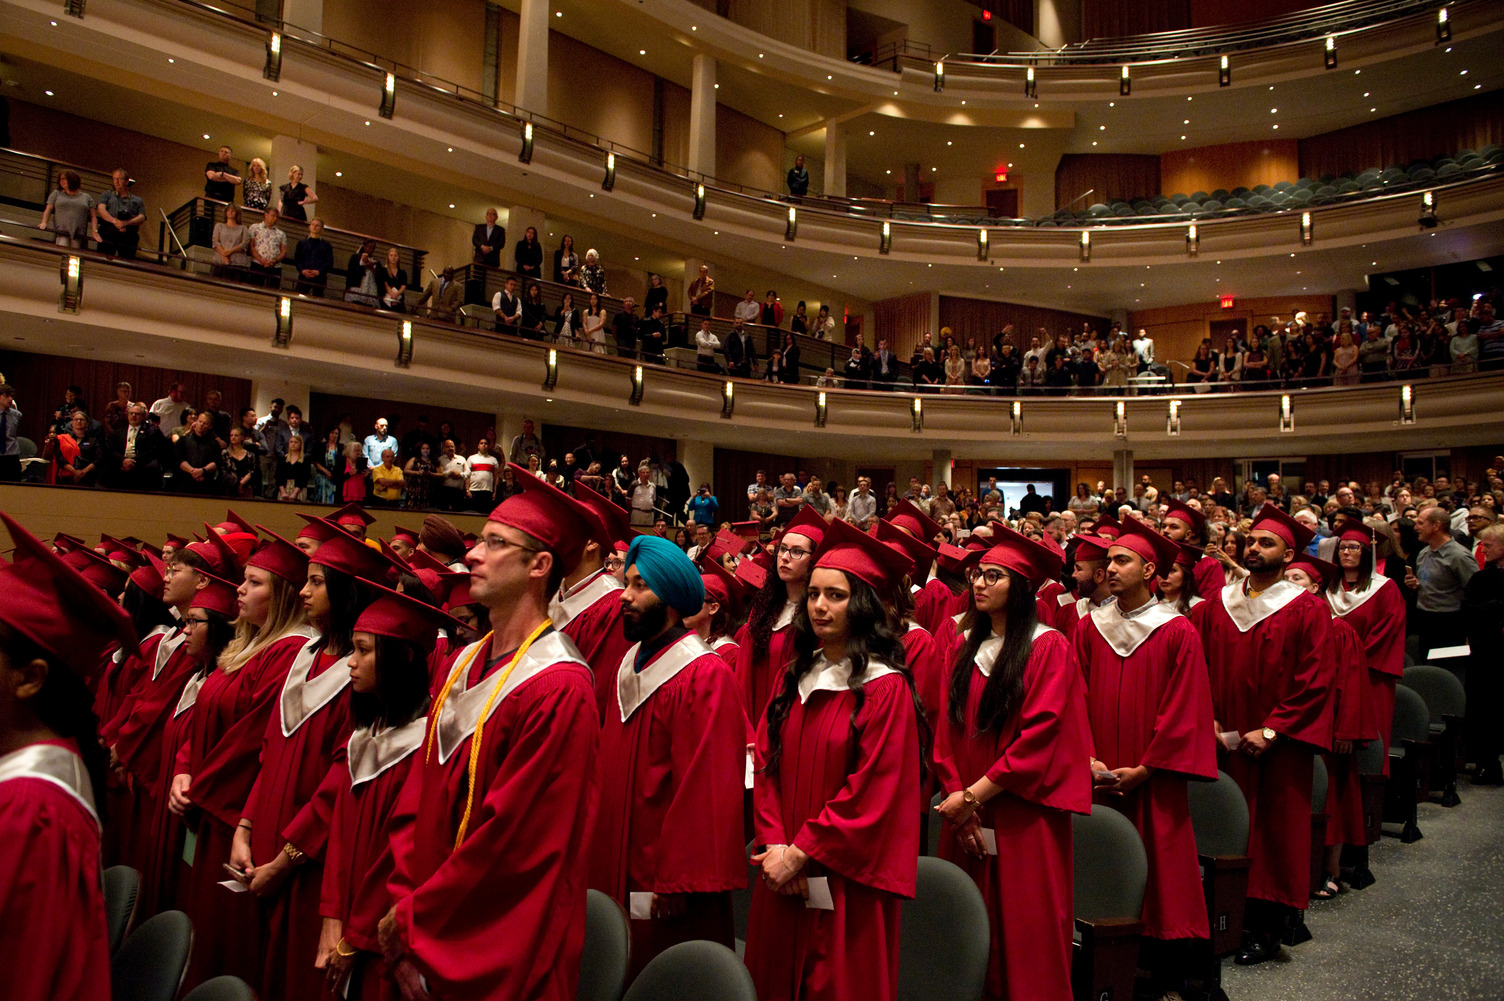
x=615, y=563
x=793, y=554
x=194, y=623
x=988, y=577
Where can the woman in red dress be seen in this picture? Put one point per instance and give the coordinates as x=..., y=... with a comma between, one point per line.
x=838, y=772
x=1013, y=756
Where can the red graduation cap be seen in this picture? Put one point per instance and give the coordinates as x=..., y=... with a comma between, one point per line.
x=394, y=614
x=724, y=542
x=120, y=549
x=176, y=541
x=280, y=557
x=1183, y=512
x=1018, y=552
x=1091, y=547
x=218, y=595
x=410, y=534
x=1359, y=533
x=808, y=523
x=549, y=515
x=347, y=554
x=96, y=569
x=615, y=526
x=951, y=558
x=62, y=542
x=149, y=576
x=147, y=547
x=453, y=590
x=752, y=574
x=50, y=604
x=915, y=548
x=911, y=518
x=1270, y=518
x=352, y=515
x=748, y=531
x=1140, y=539
x=235, y=523
x=720, y=584
x=320, y=530
x=430, y=579
x=863, y=556
x=1189, y=554
x=423, y=560
x=1107, y=527
x=1326, y=572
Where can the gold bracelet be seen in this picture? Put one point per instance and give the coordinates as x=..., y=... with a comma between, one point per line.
x=293, y=855
x=339, y=949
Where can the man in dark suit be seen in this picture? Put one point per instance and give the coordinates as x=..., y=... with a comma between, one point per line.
x=741, y=353
x=884, y=366
x=488, y=239
x=134, y=453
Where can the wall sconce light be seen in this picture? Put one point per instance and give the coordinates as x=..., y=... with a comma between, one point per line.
x=389, y=96
x=1172, y=422
x=939, y=77
x=273, y=68
x=1286, y=414
x=1120, y=419
x=728, y=401
x=1125, y=84
x=1224, y=73
x=916, y=416
x=636, y=398
x=73, y=8
x=885, y=242
x=699, y=201
x=283, y=336
x=551, y=369
x=1331, y=52
x=1192, y=241
x=981, y=244
x=1085, y=246
x=792, y=229
x=525, y=155
x=1305, y=229
x=1443, y=27
x=610, y=179
x=1427, y=218
x=1407, y=404
x=820, y=410
x=1030, y=90
x=1018, y=417
x=405, y=345
x=72, y=277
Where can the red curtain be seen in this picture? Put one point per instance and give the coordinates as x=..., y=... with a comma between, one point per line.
x=1116, y=18
x=903, y=322
x=1108, y=176
x=1395, y=141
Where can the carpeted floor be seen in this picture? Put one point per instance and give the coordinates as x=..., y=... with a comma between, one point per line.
x=1431, y=927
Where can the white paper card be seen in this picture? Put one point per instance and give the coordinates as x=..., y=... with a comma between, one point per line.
x=1448, y=652
x=190, y=844
x=819, y=894
x=1231, y=739
x=989, y=840
x=640, y=905
x=234, y=886
x=747, y=776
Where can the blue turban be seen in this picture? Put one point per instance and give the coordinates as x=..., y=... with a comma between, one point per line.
x=669, y=572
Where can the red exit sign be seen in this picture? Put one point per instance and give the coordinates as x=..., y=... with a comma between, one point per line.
x=1226, y=301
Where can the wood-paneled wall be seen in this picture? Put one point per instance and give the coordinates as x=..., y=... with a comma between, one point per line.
x=1229, y=165
x=1115, y=18
x=1415, y=135
x=984, y=318
x=1178, y=330
x=813, y=25
x=41, y=379
x=1108, y=176
x=903, y=322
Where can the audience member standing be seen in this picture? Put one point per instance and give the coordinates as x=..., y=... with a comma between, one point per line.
x=313, y=259
x=268, y=247
x=1442, y=570
x=488, y=239
x=444, y=297
x=221, y=178
x=296, y=195
x=70, y=214
x=566, y=262
x=231, y=241
x=391, y=280
x=798, y=179
x=528, y=255
x=378, y=440
x=701, y=293
x=256, y=193
x=121, y=214
x=10, y=435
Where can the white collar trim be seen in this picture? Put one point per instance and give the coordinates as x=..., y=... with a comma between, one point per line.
x=370, y=753
x=1247, y=612
x=190, y=692
x=461, y=712
x=786, y=616
x=165, y=649
x=633, y=688
x=1125, y=633
x=835, y=676
x=55, y=765
x=1344, y=601
x=987, y=653
x=302, y=698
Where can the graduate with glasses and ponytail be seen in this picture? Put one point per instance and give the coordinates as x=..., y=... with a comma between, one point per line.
x=765, y=643
x=1012, y=755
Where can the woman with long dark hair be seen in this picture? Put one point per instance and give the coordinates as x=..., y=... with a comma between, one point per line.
x=1372, y=604
x=284, y=826
x=388, y=667
x=1012, y=757
x=839, y=759
x=54, y=630
x=765, y=643
x=1177, y=586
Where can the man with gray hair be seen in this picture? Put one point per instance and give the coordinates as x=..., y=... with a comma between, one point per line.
x=1442, y=570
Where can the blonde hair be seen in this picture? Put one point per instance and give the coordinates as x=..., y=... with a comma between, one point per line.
x=256, y=161
x=294, y=169
x=284, y=616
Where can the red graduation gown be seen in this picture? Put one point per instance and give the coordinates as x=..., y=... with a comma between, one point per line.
x=163, y=869
x=725, y=647
x=762, y=677
x=931, y=604
x=222, y=754
x=123, y=672
x=1351, y=721
x=1276, y=674
x=1209, y=575
x=849, y=805
x=139, y=730
x=670, y=815
x=1378, y=617
x=1045, y=603
x=290, y=802
x=1150, y=704
x=55, y=945
x=503, y=916
x=596, y=631
x=1041, y=760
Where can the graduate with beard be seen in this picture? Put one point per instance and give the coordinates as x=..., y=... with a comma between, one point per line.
x=1090, y=578
x=667, y=841
x=1186, y=525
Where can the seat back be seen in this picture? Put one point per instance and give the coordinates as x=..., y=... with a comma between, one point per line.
x=1318, y=786
x=697, y=969
x=1371, y=758
x=943, y=935
x=27, y=446
x=122, y=885
x=1219, y=817
x=1111, y=866
x=221, y=989
x=151, y=962
x=608, y=949
x=1439, y=689
x=1412, y=720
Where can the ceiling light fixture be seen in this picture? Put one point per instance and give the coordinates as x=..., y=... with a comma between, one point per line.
x=525, y=155
x=940, y=76
x=1125, y=83
x=1443, y=27
x=1331, y=52
x=388, y=96
x=1030, y=90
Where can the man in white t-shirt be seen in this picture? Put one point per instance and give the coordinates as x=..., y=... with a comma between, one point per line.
x=1143, y=346
x=480, y=477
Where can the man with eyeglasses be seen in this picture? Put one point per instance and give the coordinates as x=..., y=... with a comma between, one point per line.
x=505, y=784
x=1477, y=519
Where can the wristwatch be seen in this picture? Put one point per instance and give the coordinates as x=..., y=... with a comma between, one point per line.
x=1269, y=734
x=968, y=797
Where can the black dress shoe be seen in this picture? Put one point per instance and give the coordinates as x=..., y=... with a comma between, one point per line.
x=1255, y=952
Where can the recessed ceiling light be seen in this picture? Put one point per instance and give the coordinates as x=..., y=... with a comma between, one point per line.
x=451, y=204
x=451, y=149
x=206, y=135
x=933, y=169
x=339, y=173
x=54, y=24
x=1190, y=99
x=1477, y=86
x=1010, y=164
x=871, y=133
x=1357, y=72
x=1276, y=126
x=759, y=55
x=171, y=60
x=949, y=143
x=694, y=27
x=1370, y=111
x=274, y=93
x=558, y=13
x=642, y=52
x=1093, y=142
x=829, y=77
x=1186, y=122
x=1463, y=73
x=1273, y=111
x=963, y=104
x=1020, y=145
x=636, y=258
x=889, y=172
x=368, y=123
x=780, y=114
x=1365, y=93
x=895, y=93
x=717, y=86
x=1182, y=137
x=48, y=93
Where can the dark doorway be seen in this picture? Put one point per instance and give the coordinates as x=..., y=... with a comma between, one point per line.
x=1002, y=203
x=983, y=37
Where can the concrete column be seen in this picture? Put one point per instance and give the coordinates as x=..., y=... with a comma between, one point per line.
x=263, y=391
x=698, y=458
x=519, y=218
x=304, y=14
x=532, y=57
x=1057, y=22
x=509, y=426
x=940, y=461
x=287, y=151
x=1122, y=469
x=911, y=182
x=702, y=116
x=835, y=160
x=1345, y=297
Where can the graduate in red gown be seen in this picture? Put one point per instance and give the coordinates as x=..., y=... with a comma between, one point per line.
x=930, y=594
x=208, y=627
x=1187, y=525
x=667, y=842
x=489, y=878
x=1013, y=752
x=839, y=755
x=1089, y=575
x=933, y=605
x=1351, y=726
x=1372, y=604
x=389, y=685
x=587, y=608
x=765, y=642
x=55, y=629
x=285, y=823
x=1151, y=724
x=1178, y=587
x=716, y=620
x=218, y=764
x=1266, y=650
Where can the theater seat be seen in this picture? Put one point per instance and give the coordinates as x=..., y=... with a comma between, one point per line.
x=944, y=935
x=151, y=963
x=608, y=949
x=122, y=885
x=1219, y=820
x=1111, y=870
x=1446, y=701
x=221, y=989
x=693, y=970
x=1409, y=762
